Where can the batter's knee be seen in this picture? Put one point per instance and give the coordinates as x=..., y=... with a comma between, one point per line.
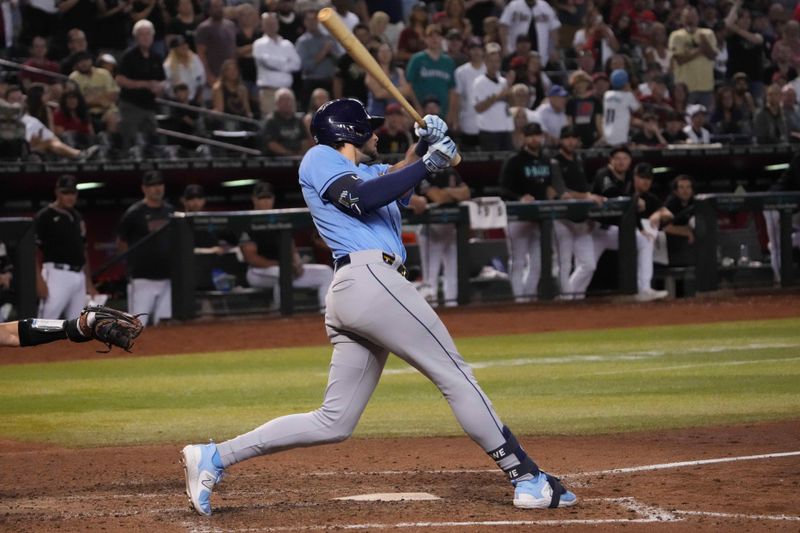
x=334, y=427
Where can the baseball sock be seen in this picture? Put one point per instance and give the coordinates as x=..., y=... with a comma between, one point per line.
x=513, y=460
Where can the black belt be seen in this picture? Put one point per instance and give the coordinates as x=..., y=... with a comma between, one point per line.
x=65, y=266
x=387, y=258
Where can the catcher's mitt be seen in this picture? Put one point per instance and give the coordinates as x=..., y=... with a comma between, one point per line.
x=109, y=326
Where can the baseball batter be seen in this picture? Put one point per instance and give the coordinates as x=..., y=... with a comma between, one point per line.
x=372, y=309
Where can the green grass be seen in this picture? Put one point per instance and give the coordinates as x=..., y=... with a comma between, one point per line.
x=564, y=382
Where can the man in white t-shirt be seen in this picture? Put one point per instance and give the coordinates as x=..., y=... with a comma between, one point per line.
x=490, y=100
x=516, y=21
x=619, y=104
x=551, y=114
x=465, y=76
x=276, y=59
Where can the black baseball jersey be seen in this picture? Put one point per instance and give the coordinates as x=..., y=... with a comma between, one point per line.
x=152, y=259
x=681, y=211
x=571, y=175
x=267, y=242
x=526, y=173
x=446, y=178
x=607, y=184
x=61, y=236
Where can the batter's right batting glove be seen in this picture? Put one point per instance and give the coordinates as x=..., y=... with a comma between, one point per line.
x=434, y=131
x=109, y=326
x=439, y=155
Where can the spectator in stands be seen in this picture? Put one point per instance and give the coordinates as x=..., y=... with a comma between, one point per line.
x=745, y=102
x=394, y=9
x=525, y=177
x=97, y=87
x=149, y=286
x=412, y=38
x=519, y=96
x=465, y=76
x=155, y=12
x=522, y=49
x=261, y=252
x=781, y=65
x=680, y=97
x=378, y=97
x=108, y=63
x=490, y=99
x=551, y=114
x=432, y=74
x=38, y=60
x=455, y=47
x=657, y=51
x=792, y=112
x=394, y=136
x=318, y=57
x=230, y=94
x=184, y=23
x=726, y=118
x=595, y=37
x=534, y=18
x=37, y=102
x=676, y=216
x=249, y=30
x=584, y=110
x=536, y=79
x=290, y=25
x=491, y=30
x=673, y=132
x=276, y=60
x=658, y=101
x=112, y=25
x=350, y=76
x=619, y=107
x=182, y=66
x=318, y=97
x=721, y=61
x=769, y=122
x=745, y=48
x=695, y=131
x=694, y=50
x=284, y=133
x=377, y=27
x=182, y=120
x=76, y=44
x=71, y=120
x=649, y=134
x=141, y=79
x=215, y=39
x=455, y=18
x=790, y=42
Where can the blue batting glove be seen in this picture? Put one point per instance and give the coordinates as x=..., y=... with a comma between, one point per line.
x=439, y=155
x=434, y=131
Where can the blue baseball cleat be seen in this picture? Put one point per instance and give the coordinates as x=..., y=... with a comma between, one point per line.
x=201, y=475
x=541, y=492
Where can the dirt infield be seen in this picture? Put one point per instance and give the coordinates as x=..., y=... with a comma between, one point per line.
x=677, y=483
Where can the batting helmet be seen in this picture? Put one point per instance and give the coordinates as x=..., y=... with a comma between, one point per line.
x=343, y=120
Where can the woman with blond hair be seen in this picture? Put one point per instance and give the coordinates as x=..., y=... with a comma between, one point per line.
x=377, y=26
x=184, y=66
x=229, y=93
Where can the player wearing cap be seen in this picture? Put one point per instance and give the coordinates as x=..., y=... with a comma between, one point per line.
x=149, y=288
x=525, y=177
x=490, y=101
x=374, y=310
x=63, y=276
x=619, y=104
x=612, y=181
x=261, y=251
x=573, y=237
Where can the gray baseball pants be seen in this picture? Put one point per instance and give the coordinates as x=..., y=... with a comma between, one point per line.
x=373, y=310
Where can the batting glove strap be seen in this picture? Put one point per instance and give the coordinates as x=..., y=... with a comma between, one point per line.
x=434, y=131
x=439, y=155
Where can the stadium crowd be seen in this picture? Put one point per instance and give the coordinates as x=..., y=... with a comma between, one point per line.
x=635, y=72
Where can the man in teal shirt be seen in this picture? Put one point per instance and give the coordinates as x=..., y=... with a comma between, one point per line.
x=431, y=73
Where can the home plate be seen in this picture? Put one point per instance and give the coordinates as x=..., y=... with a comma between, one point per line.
x=390, y=497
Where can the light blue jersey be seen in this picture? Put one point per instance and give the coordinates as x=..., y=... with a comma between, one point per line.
x=344, y=234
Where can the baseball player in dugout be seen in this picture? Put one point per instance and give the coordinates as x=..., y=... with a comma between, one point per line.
x=261, y=251
x=573, y=237
x=372, y=309
x=437, y=242
x=63, y=276
x=149, y=287
x=615, y=180
x=525, y=177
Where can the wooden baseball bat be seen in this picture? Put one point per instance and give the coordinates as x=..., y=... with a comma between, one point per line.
x=361, y=55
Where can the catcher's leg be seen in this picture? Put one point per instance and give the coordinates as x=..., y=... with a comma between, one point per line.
x=355, y=369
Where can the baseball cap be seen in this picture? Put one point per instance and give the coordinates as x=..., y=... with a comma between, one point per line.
x=644, y=170
x=262, y=189
x=694, y=109
x=557, y=90
x=152, y=177
x=739, y=75
x=453, y=33
x=66, y=183
x=619, y=78
x=193, y=191
x=493, y=48
x=393, y=109
x=107, y=58
x=532, y=129
x=569, y=131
